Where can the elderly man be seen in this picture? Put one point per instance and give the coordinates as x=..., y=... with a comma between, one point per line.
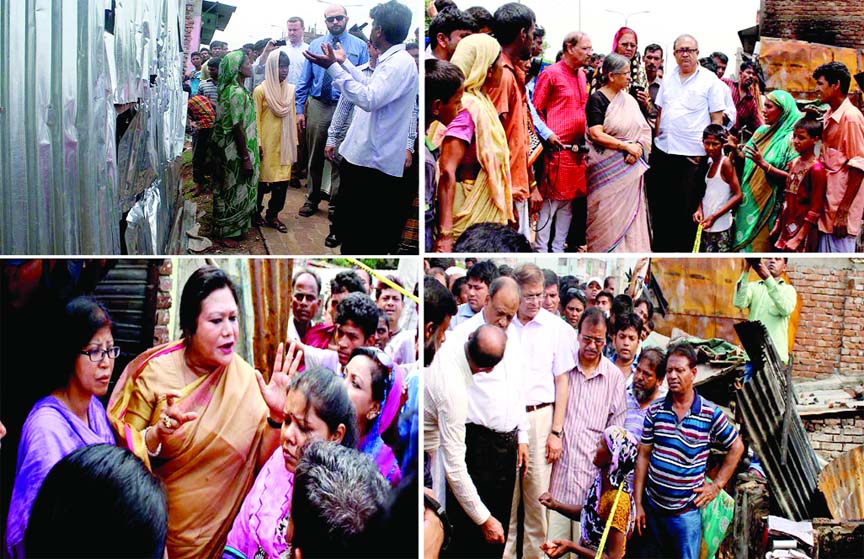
x=316, y=100
x=445, y=414
x=446, y=30
x=498, y=428
x=690, y=99
x=560, y=99
x=595, y=402
x=677, y=436
x=305, y=301
x=373, y=153
x=844, y=131
x=514, y=29
x=548, y=343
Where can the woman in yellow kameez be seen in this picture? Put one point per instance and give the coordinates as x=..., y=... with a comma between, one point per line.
x=277, y=137
x=200, y=417
x=474, y=186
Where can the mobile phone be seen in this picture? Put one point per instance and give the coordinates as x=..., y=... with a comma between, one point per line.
x=754, y=262
x=279, y=43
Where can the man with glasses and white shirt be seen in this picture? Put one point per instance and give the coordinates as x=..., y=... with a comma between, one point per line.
x=547, y=342
x=690, y=98
x=595, y=401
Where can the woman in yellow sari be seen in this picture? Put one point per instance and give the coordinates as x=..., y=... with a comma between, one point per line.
x=200, y=417
x=474, y=183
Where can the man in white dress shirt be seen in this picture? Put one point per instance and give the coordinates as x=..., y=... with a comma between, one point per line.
x=496, y=435
x=445, y=413
x=549, y=345
x=374, y=148
x=305, y=300
x=690, y=98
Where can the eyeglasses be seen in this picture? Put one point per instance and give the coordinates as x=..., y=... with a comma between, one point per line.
x=300, y=297
x=535, y=297
x=97, y=355
x=683, y=51
x=331, y=19
x=588, y=340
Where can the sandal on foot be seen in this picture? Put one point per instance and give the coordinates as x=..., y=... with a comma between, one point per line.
x=257, y=220
x=277, y=225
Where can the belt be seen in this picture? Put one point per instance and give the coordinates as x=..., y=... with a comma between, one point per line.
x=529, y=409
x=325, y=101
x=491, y=433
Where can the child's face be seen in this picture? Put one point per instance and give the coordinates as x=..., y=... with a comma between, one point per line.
x=802, y=142
x=712, y=146
x=445, y=112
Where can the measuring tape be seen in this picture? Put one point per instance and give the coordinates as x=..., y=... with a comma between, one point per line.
x=386, y=281
x=611, y=516
x=698, y=238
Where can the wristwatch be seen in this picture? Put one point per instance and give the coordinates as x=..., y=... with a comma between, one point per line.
x=558, y=433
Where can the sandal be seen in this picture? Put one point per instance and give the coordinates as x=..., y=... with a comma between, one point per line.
x=257, y=220
x=230, y=243
x=277, y=225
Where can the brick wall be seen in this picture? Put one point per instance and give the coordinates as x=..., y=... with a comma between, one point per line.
x=830, y=335
x=193, y=10
x=830, y=22
x=832, y=436
x=163, y=304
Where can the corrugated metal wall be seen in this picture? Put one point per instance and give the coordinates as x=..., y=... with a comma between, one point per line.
x=63, y=80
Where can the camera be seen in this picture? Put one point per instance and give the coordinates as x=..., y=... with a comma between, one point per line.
x=279, y=43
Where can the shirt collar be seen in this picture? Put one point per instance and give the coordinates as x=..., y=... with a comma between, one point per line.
x=390, y=52
x=841, y=110
x=695, y=407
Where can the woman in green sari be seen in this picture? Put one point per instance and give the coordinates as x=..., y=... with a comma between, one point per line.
x=236, y=142
x=769, y=153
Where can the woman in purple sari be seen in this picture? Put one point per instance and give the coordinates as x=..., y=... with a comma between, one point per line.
x=71, y=416
x=375, y=386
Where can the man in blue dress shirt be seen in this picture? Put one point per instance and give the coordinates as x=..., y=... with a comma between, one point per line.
x=316, y=101
x=374, y=148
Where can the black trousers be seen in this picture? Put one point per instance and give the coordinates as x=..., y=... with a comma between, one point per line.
x=675, y=186
x=199, y=155
x=576, y=235
x=278, y=191
x=370, y=210
x=491, y=460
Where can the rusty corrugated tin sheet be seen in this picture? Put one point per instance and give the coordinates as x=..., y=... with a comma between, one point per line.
x=842, y=483
x=270, y=282
x=775, y=429
x=700, y=293
x=789, y=65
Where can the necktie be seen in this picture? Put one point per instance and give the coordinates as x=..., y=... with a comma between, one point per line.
x=327, y=82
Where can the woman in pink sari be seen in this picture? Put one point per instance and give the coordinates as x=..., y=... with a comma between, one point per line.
x=619, y=144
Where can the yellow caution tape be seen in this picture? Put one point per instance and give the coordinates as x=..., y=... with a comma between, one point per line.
x=383, y=279
x=698, y=238
x=611, y=516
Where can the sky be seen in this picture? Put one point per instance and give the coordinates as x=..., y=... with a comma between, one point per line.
x=258, y=19
x=716, y=28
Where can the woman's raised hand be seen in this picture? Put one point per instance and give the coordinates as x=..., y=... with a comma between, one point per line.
x=284, y=367
x=172, y=417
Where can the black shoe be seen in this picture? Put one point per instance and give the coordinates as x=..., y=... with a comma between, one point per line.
x=332, y=241
x=308, y=209
x=294, y=183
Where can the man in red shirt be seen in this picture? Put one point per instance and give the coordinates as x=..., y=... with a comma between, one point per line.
x=560, y=98
x=514, y=29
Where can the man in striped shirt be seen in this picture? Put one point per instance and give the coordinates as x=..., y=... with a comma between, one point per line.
x=678, y=434
x=595, y=401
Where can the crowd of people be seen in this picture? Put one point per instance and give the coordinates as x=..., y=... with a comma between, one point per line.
x=198, y=455
x=549, y=416
x=608, y=153
x=267, y=115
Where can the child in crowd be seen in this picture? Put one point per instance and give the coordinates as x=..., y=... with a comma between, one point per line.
x=722, y=194
x=796, y=229
x=443, y=102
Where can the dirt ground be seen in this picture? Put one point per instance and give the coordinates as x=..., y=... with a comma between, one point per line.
x=252, y=241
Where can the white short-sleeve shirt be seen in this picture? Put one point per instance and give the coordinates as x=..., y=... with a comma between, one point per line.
x=686, y=110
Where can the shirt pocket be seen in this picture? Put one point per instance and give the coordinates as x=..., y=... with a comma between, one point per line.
x=694, y=100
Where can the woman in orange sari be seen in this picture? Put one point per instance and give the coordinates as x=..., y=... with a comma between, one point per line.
x=200, y=416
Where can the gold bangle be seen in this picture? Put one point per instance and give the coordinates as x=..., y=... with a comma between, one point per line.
x=445, y=232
